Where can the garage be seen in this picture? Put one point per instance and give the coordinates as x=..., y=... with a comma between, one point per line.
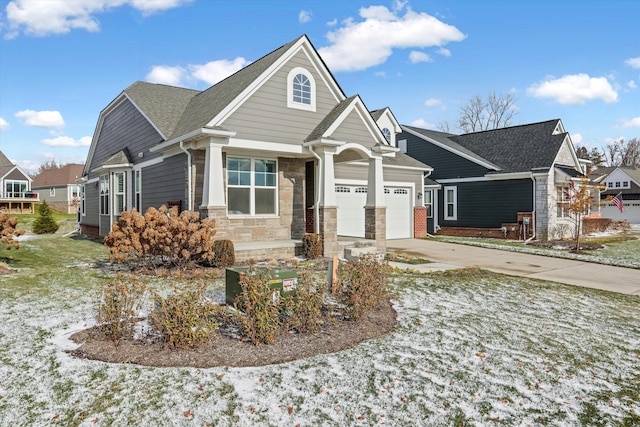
x=351, y=200
x=631, y=212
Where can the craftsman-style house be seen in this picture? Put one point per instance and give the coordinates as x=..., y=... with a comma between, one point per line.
x=271, y=152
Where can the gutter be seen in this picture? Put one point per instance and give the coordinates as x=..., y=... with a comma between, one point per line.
x=188, y=153
x=316, y=205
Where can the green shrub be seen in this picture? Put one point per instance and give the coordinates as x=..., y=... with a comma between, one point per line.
x=185, y=318
x=44, y=222
x=225, y=254
x=117, y=307
x=362, y=285
x=311, y=246
x=302, y=308
x=260, y=307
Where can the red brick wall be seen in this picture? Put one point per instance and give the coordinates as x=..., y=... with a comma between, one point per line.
x=494, y=233
x=419, y=222
x=592, y=225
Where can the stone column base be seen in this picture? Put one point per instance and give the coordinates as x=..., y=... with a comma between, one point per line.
x=375, y=226
x=329, y=230
x=219, y=213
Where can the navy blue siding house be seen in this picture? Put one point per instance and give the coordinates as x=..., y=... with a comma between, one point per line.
x=503, y=182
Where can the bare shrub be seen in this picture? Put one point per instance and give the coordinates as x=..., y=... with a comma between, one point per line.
x=311, y=246
x=8, y=231
x=303, y=307
x=161, y=237
x=224, y=253
x=362, y=285
x=185, y=318
x=260, y=307
x=117, y=306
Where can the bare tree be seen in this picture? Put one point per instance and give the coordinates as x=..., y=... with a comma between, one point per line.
x=51, y=164
x=479, y=114
x=623, y=153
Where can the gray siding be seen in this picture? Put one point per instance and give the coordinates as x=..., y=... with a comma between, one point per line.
x=125, y=127
x=16, y=175
x=164, y=182
x=91, y=209
x=266, y=117
x=488, y=204
x=352, y=129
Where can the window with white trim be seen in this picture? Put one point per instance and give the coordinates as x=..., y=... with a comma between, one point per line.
x=562, y=197
x=52, y=191
x=137, y=201
x=387, y=134
x=301, y=90
x=15, y=188
x=119, y=193
x=451, y=203
x=251, y=186
x=82, y=200
x=104, y=194
x=428, y=203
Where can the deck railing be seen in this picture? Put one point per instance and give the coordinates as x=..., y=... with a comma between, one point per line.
x=20, y=196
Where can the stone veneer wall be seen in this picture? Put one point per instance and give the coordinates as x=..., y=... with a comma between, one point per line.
x=375, y=227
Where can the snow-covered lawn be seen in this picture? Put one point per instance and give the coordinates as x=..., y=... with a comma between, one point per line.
x=470, y=348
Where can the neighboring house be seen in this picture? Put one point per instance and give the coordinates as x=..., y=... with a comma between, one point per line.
x=59, y=187
x=623, y=180
x=15, y=184
x=271, y=152
x=498, y=183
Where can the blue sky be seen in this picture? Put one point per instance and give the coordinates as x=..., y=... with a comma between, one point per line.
x=63, y=61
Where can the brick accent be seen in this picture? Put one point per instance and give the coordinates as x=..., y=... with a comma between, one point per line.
x=419, y=222
x=310, y=224
x=494, y=233
x=592, y=225
x=90, y=230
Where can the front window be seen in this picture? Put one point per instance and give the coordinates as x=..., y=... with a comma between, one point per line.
x=562, y=196
x=301, y=89
x=104, y=194
x=251, y=186
x=451, y=203
x=428, y=203
x=75, y=191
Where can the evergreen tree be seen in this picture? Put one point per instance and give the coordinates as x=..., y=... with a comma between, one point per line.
x=44, y=222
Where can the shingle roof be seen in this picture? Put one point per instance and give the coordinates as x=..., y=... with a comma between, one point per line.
x=56, y=177
x=516, y=148
x=401, y=159
x=206, y=105
x=5, y=164
x=329, y=119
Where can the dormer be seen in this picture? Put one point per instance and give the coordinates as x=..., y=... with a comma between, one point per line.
x=388, y=125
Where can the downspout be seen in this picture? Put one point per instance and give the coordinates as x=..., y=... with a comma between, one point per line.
x=316, y=205
x=188, y=153
x=533, y=213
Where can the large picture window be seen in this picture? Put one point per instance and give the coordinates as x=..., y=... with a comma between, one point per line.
x=451, y=203
x=251, y=186
x=14, y=189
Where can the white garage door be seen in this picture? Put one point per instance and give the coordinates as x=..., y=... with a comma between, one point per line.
x=351, y=200
x=631, y=211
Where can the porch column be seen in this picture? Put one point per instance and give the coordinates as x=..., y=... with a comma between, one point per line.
x=327, y=210
x=375, y=212
x=213, y=186
x=328, y=180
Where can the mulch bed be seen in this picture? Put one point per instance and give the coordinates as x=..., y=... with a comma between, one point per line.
x=223, y=350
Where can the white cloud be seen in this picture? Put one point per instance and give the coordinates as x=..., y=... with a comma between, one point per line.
x=631, y=84
x=360, y=45
x=633, y=62
x=332, y=23
x=214, y=71
x=46, y=17
x=380, y=74
x=416, y=56
x=305, y=16
x=4, y=125
x=444, y=52
x=211, y=73
x=67, y=141
x=41, y=119
x=421, y=123
x=167, y=75
x=631, y=123
x=433, y=102
x=575, y=89
x=576, y=138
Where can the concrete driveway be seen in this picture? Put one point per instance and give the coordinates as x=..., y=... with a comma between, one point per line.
x=579, y=273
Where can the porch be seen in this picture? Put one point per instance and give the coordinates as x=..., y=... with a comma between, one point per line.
x=22, y=203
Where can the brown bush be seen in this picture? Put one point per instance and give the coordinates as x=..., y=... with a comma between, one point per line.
x=161, y=236
x=311, y=246
x=8, y=231
x=185, y=318
x=260, y=307
x=225, y=254
x=117, y=307
x=302, y=308
x=362, y=284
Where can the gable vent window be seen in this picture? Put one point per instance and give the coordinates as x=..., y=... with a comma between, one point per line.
x=301, y=90
x=387, y=134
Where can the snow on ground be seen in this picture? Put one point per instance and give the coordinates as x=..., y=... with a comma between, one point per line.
x=485, y=351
